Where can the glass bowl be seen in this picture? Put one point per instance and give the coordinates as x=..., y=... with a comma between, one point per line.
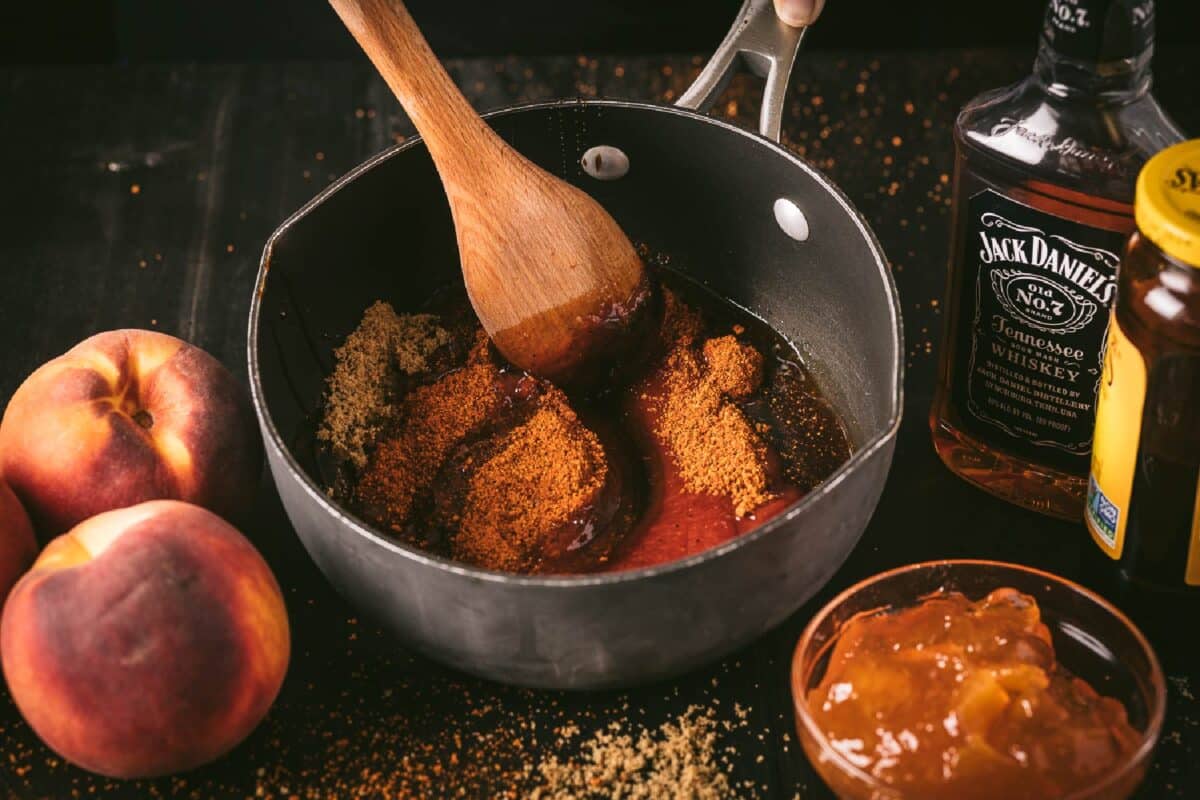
x=1091, y=637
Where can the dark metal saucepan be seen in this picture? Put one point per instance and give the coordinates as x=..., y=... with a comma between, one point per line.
x=732, y=209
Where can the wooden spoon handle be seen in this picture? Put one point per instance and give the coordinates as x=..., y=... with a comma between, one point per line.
x=450, y=127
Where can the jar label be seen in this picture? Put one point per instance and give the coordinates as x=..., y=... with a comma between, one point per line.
x=1043, y=286
x=1115, y=451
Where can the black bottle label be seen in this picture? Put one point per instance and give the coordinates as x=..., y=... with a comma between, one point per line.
x=1099, y=30
x=1036, y=293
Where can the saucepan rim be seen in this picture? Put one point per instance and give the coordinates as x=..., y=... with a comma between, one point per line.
x=339, y=514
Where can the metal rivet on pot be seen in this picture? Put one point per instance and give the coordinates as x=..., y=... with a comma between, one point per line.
x=605, y=162
x=791, y=219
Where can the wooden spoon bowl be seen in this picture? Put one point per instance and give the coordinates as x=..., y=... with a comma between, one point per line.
x=553, y=279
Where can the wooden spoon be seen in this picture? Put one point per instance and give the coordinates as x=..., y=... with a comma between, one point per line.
x=553, y=279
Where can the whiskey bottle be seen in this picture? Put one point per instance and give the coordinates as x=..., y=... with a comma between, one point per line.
x=1043, y=202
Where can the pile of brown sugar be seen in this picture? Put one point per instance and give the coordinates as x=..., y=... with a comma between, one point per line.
x=503, y=461
x=452, y=450
x=734, y=368
x=430, y=421
x=679, y=760
x=541, y=474
x=364, y=386
x=716, y=448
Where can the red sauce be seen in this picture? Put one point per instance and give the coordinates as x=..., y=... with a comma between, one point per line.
x=677, y=523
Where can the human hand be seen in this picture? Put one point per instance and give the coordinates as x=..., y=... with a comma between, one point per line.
x=799, y=12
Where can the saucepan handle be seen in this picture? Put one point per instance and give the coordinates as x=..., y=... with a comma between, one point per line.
x=767, y=46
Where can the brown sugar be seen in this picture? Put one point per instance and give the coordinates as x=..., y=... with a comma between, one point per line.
x=542, y=474
x=469, y=739
x=717, y=449
x=460, y=455
x=679, y=759
x=735, y=368
x=681, y=324
x=481, y=349
x=431, y=421
x=419, y=337
x=362, y=390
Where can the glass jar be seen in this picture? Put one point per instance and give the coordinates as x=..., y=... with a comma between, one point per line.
x=1143, y=505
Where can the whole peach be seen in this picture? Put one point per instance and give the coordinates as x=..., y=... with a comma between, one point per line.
x=18, y=547
x=127, y=416
x=145, y=641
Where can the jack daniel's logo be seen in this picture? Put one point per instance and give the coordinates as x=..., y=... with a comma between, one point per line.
x=1045, y=280
x=1041, y=288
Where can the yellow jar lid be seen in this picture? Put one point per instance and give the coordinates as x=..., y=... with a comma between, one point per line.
x=1167, y=203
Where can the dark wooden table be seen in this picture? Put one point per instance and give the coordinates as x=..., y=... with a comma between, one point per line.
x=141, y=197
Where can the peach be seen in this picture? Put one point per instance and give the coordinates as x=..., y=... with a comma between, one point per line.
x=145, y=641
x=18, y=547
x=128, y=416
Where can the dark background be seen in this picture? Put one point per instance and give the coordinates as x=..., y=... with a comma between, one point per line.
x=116, y=31
x=220, y=154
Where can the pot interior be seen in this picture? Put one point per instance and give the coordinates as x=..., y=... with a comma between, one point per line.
x=698, y=191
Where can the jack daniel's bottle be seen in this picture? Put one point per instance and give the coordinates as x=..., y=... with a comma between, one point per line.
x=1044, y=184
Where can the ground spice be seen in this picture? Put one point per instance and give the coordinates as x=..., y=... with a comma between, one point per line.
x=542, y=474
x=362, y=390
x=717, y=449
x=431, y=420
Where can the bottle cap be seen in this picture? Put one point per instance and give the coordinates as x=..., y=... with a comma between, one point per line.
x=1166, y=205
x=1099, y=30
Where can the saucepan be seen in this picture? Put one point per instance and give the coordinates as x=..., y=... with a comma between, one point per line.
x=731, y=209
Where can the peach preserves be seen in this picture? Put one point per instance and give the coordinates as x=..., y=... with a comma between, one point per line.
x=953, y=698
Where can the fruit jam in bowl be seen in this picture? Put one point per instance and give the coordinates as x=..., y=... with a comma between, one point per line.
x=980, y=679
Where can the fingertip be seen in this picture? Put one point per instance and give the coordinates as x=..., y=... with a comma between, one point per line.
x=798, y=13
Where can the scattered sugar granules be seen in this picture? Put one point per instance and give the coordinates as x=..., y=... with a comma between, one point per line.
x=678, y=760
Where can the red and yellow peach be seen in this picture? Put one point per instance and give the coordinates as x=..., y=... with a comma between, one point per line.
x=123, y=417
x=145, y=641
